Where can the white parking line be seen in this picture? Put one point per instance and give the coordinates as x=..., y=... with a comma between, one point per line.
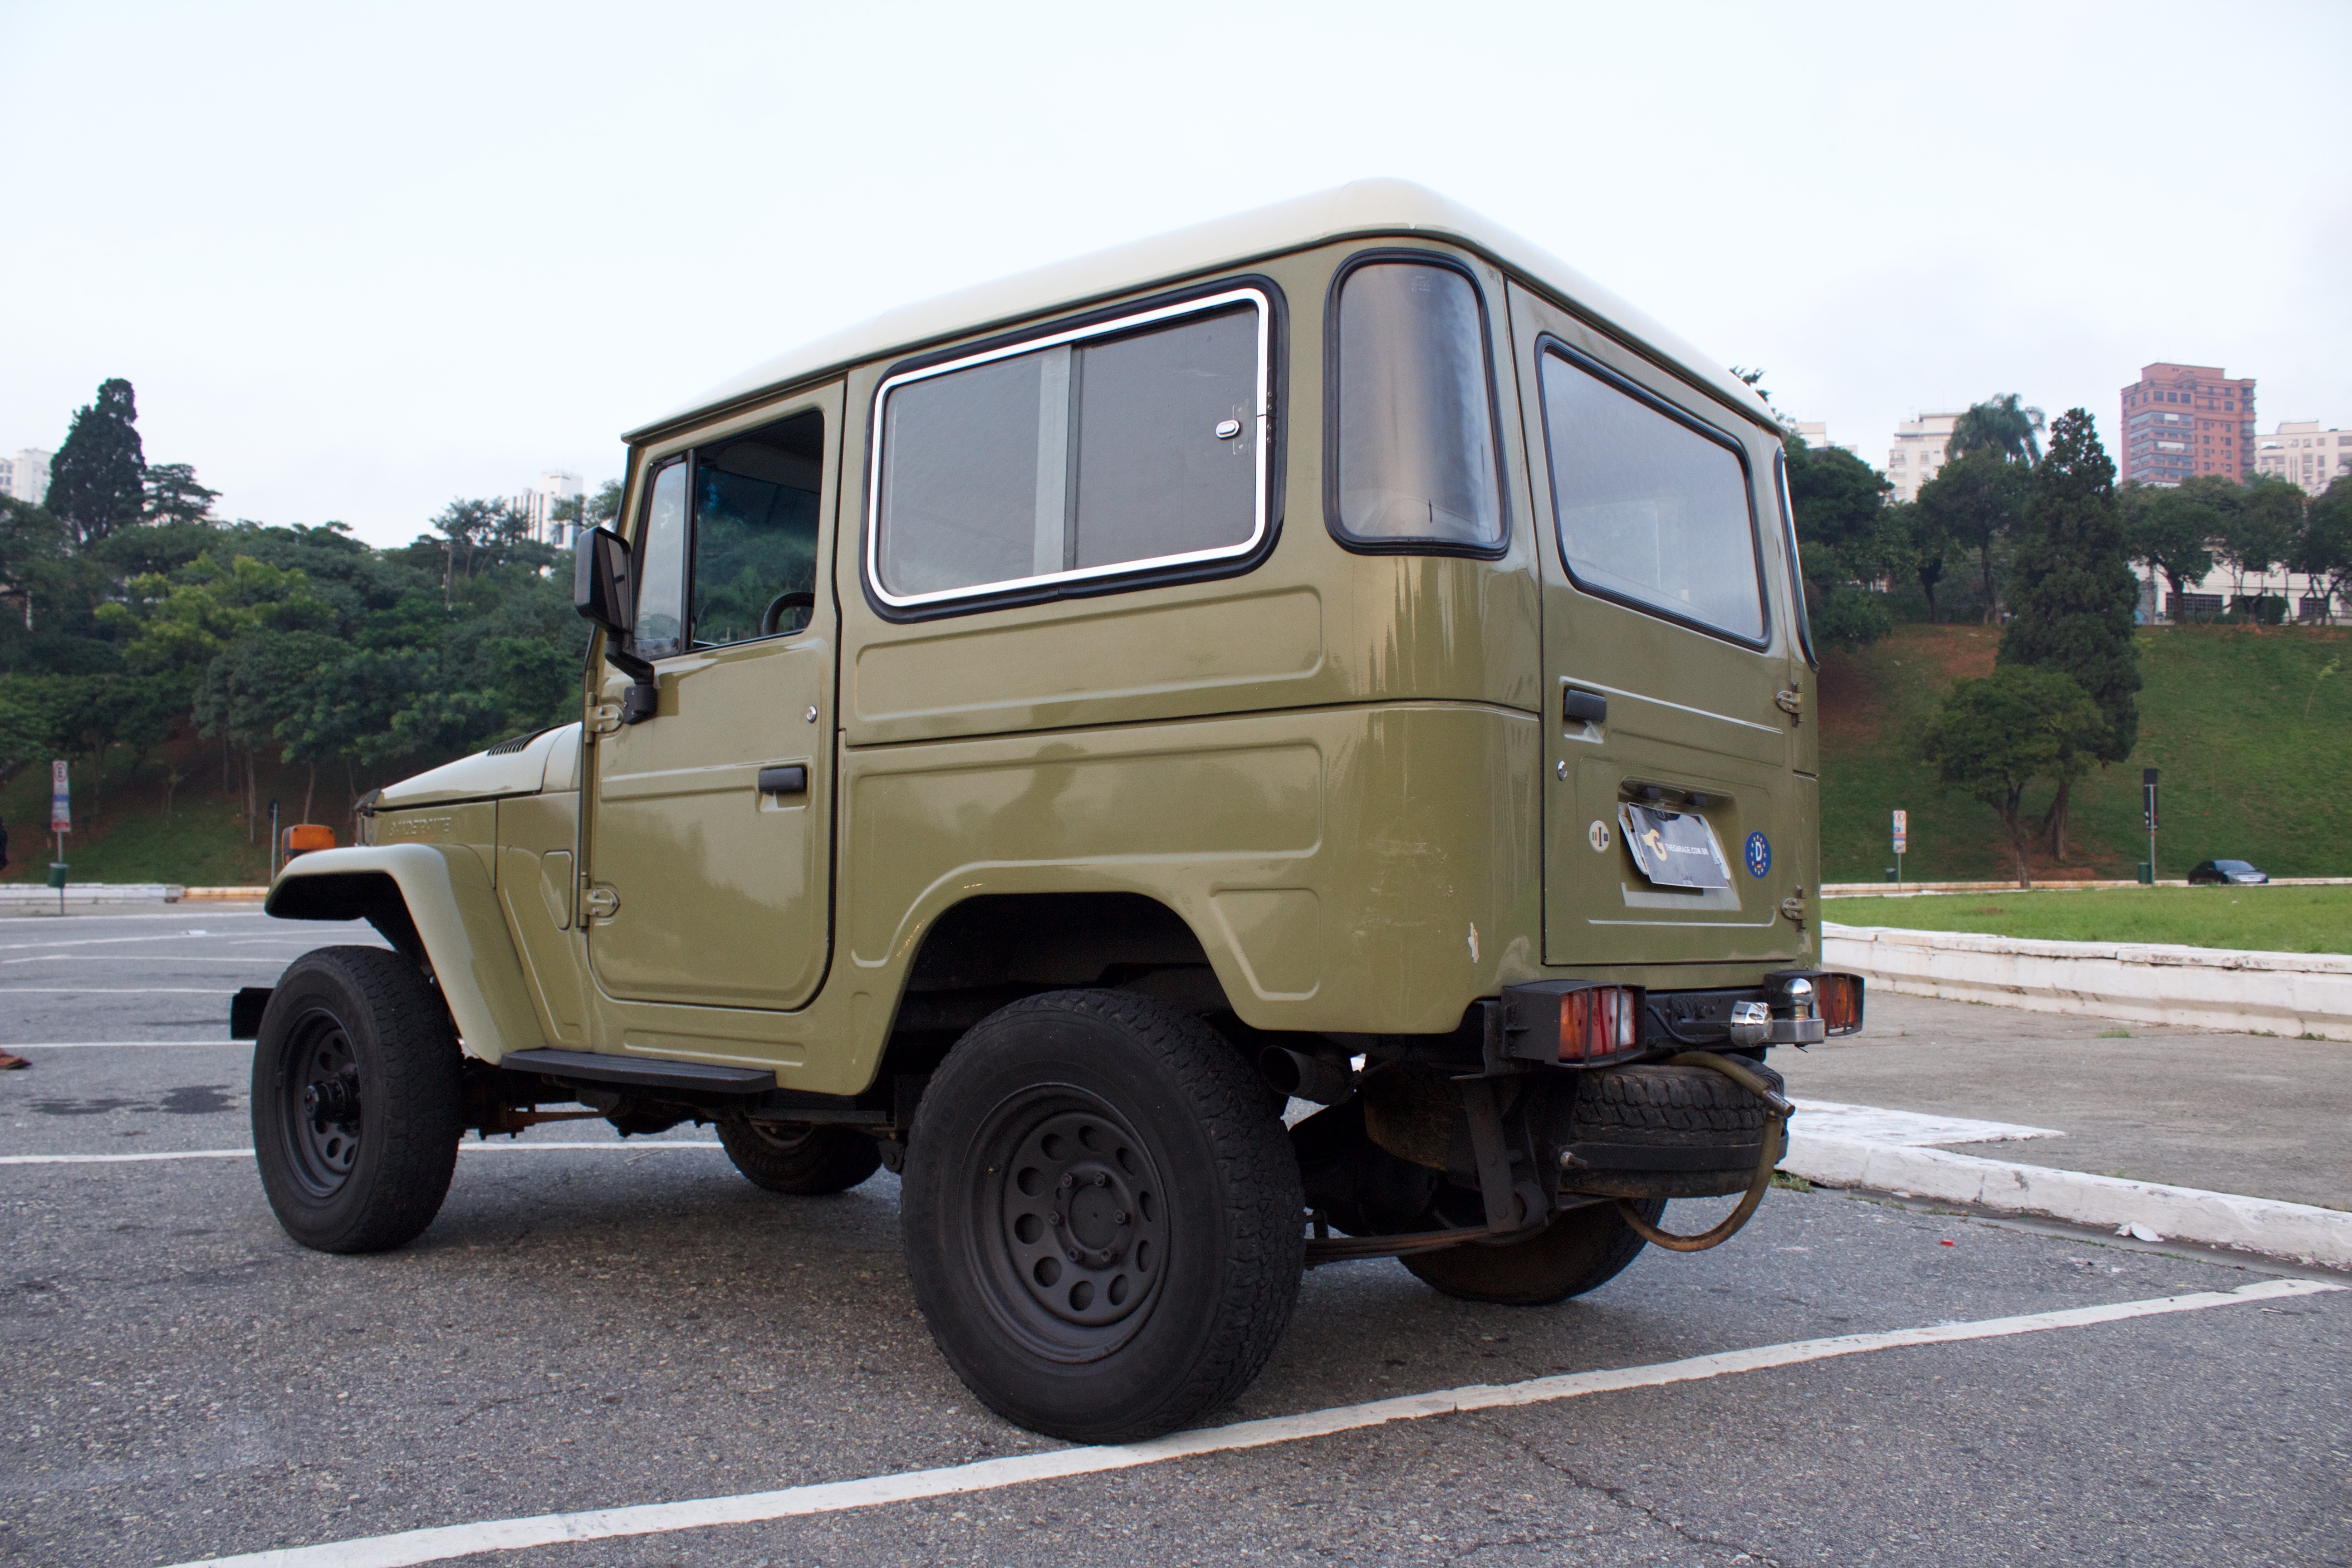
x=414, y=1546
x=630, y=1145
x=112, y=991
x=105, y=1045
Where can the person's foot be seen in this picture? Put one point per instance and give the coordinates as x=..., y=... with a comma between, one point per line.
x=8, y=1060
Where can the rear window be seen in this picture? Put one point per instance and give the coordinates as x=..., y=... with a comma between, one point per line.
x=1652, y=508
x=1136, y=444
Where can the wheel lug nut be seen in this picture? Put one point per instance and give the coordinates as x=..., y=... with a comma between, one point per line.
x=1054, y=1217
x=1074, y=1254
x=1119, y=1218
x=1068, y=1181
x=1101, y=1179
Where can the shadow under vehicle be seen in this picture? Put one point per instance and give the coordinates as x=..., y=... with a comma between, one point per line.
x=1333, y=654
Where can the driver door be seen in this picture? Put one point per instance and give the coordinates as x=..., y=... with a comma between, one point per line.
x=707, y=870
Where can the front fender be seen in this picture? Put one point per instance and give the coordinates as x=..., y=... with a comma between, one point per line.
x=435, y=902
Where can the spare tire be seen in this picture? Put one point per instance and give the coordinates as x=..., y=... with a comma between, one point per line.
x=1657, y=1131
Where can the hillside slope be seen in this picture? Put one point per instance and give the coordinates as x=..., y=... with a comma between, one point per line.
x=2247, y=771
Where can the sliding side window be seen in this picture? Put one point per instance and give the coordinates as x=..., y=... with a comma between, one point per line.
x=1653, y=507
x=1137, y=444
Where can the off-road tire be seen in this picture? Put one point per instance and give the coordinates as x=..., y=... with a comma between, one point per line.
x=1581, y=1250
x=1133, y=1141
x=1669, y=1107
x=807, y=1160
x=371, y=1173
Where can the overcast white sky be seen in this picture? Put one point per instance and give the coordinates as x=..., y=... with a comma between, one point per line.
x=359, y=261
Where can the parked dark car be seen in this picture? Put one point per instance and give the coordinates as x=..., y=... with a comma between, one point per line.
x=2226, y=873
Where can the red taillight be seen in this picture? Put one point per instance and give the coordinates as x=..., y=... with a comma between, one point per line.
x=1599, y=1022
x=1839, y=997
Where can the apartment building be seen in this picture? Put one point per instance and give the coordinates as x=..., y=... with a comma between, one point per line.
x=538, y=504
x=1917, y=451
x=2301, y=451
x=1815, y=434
x=2182, y=420
x=25, y=476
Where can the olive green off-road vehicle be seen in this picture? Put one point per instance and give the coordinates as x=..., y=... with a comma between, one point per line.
x=1336, y=657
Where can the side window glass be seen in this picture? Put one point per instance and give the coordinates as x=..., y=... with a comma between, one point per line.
x=1651, y=509
x=1414, y=430
x=661, y=567
x=755, y=520
x=1126, y=447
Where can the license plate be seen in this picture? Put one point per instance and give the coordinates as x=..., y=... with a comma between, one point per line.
x=1673, y=850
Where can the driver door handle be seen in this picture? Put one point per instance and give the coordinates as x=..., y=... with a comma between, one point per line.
x=789, y=780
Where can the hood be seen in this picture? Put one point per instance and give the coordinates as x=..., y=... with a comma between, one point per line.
x=549, y=760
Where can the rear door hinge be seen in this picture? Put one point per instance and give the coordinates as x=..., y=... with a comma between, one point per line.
x=1791, y=702
x=605, y=719
x=601, y=901
x=1792, y=908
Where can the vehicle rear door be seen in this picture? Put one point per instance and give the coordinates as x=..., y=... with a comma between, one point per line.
x=1666, y=660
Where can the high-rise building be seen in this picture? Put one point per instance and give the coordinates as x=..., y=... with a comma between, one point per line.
x=26, y=476
x=1815, y=434
x=2300, y=450
x=538, y=506
x=2182, y=420
x=1917, y=454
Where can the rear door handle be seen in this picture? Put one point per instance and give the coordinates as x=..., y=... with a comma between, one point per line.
x=1590, y=707
x=792, y=779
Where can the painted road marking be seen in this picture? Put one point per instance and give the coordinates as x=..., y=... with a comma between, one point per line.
x=435, y=1545
x=1907, y=1128
x=112, y=991
x=247, y=1153
x=105, y=1045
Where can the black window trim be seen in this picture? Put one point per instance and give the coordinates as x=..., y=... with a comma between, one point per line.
x=1332, y=520
x=691, y=456
x=1547, y=343
x=1123, y=576
x=1796, y=561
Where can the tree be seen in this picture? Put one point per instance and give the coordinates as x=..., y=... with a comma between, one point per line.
x=2173, y=530
x=1994, y=736
x=2075, y=593
x=1998, y=426
x=2261, y=532
x=597, y=511
x=1975, y=503
x=97, y=479
x=1925, y=545
x=1846, y=538
x=173, y=495
x=2324, y=553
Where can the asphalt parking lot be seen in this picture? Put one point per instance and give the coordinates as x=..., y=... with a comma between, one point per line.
x=592, y=1325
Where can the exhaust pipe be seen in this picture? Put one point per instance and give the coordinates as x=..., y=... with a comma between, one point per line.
x=1294, y=1073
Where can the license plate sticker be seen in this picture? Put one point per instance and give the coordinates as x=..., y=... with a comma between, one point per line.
x=1673, y=850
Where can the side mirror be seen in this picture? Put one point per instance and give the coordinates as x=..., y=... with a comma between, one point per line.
x=600, y=580
x=602, y=592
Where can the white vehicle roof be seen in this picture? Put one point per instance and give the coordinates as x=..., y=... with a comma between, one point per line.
x=1362, y=207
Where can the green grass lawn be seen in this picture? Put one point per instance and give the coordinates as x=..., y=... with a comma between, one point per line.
x=2254, y=740
x=2267, y=920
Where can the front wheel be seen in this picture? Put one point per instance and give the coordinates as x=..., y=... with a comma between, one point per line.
x=1101, y=1217
x=358, y=1101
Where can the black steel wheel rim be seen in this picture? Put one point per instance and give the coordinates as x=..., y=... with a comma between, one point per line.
x=1069, y=1222
x=320, y=1114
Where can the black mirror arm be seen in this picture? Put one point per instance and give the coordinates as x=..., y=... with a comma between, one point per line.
x=642, y=697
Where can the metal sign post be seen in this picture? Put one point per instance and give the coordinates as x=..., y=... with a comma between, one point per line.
x=60, y=824
x=2147, y=809
x=1902, y=840
x=273, y=843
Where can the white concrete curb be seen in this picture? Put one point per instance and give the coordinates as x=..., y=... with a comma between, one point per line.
x=2303, y=1232
x=37, y=895
x=2204, y=988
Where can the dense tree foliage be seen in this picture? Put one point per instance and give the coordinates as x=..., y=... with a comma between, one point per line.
x=1995, y=736
x=97, y=479
x=1847, y=538
x=2075, y=593
x=1974, y=504
x=300, y=644
x=1999, y=426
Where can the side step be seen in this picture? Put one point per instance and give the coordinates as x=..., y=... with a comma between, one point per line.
x=596, y=1067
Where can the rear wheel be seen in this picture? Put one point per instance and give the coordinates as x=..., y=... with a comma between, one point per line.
x=809, y=1161
x=358, y=1101
x=1101, y=1217
x=1581, y=1250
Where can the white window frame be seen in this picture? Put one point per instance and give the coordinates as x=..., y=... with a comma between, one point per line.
x=1261, y=420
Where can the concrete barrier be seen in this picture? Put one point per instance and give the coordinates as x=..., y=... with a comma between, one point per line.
x=2295, y=993
x=2303, y=1232
x=34, y=894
